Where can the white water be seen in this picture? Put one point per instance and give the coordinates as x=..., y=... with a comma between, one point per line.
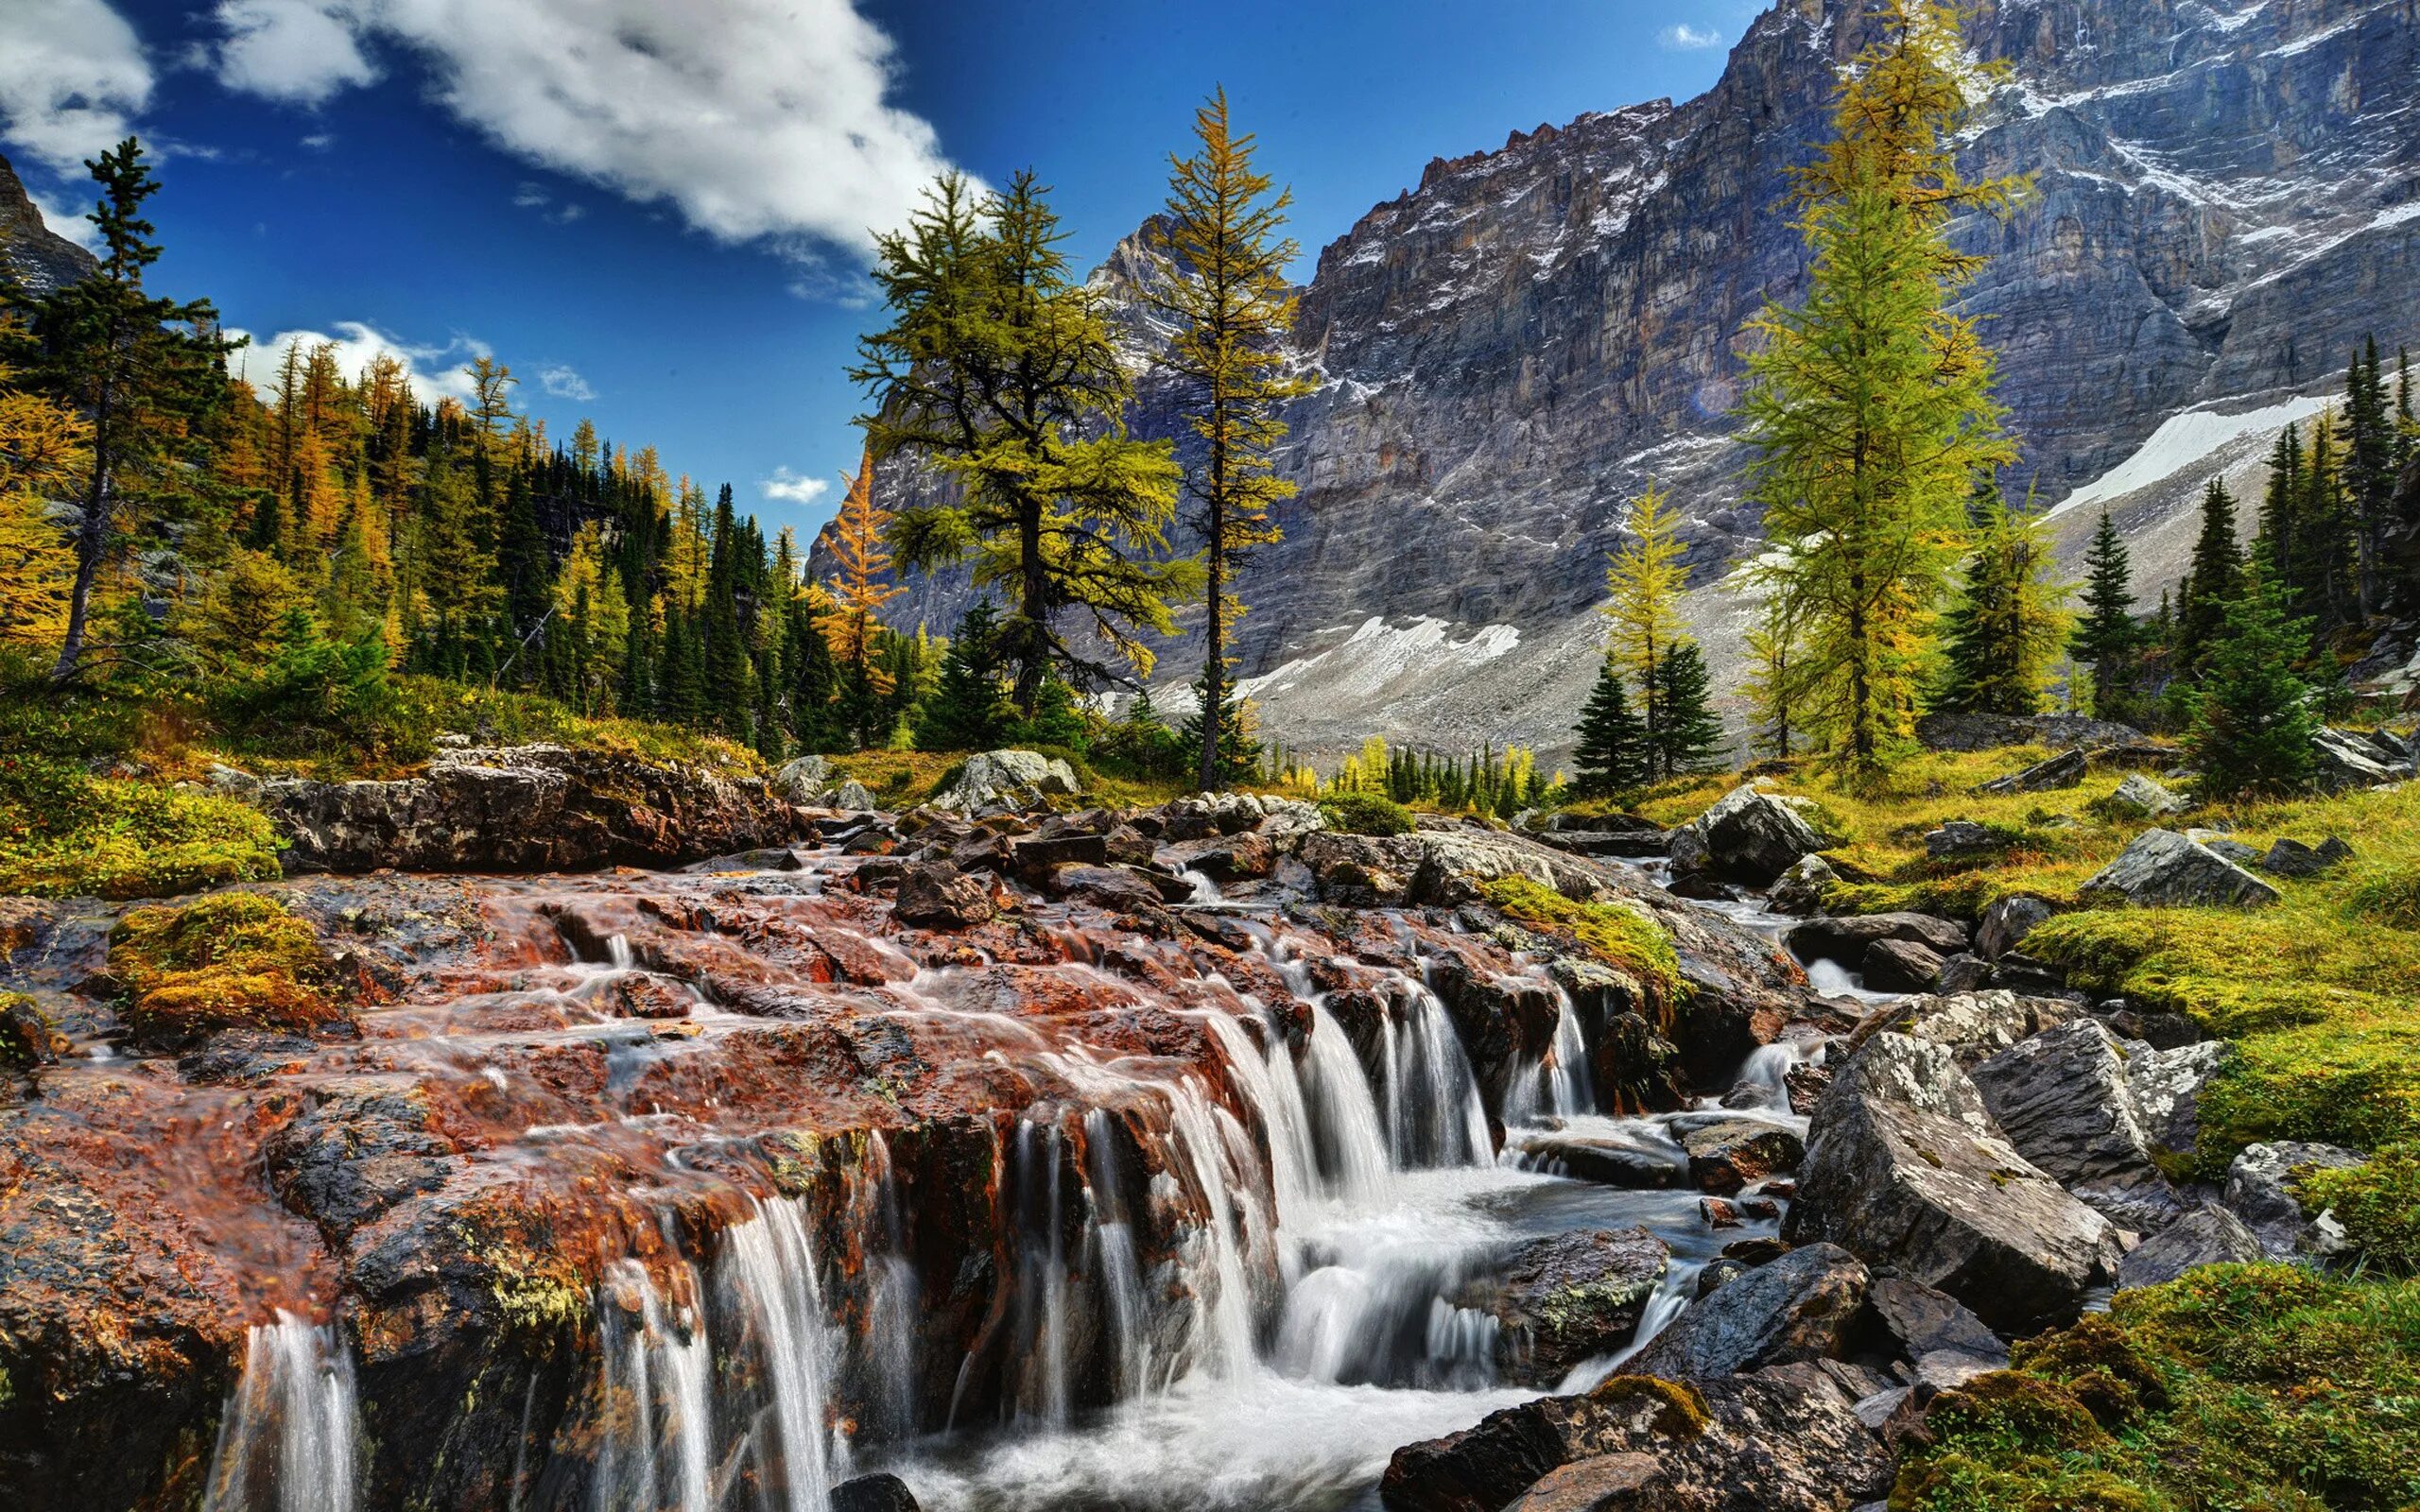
x=768, y=1276
x=289, y=1440
x=657, y=1447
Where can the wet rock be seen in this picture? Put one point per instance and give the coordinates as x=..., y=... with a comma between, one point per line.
x=1946, y=1344
x=2164, y=1085
x=28, y=1038
x=1362, y=870
x=1973, y=1025
x=935, y=895
x=1633, y=844
x=1036, y=855
x=770, y=858
x=2161, y=868
x=1502, y=1020
x=1780, y=1439
x=1606, y=1161
x=873, y=1493
x=2141, y=797
x=996, y=781
x=1904, y=1168
x=1567, y=1298
x=1845, y=939
x=1800, y=887
x=1747, y=836
x=525, y=808
x=2261, y=1192
x=2006, y=923
x=2291, y=858
x=1228, y=858
x=1800, y=1307
x=1899, y=965
x=357, y=1151
x=2064, y=770
x=2062, y=1098
x=2208, y=1235
x=1455, y=863
x=1119, y=889
x=1737, y=1152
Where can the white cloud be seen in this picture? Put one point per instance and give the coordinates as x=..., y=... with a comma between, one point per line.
x=433, y=373
x=66, y=218
x=290, y=50
x=320, y=141
x=787, y=485
x=753, y=118
x=564, y=381
x=534, y=197
x=1688, y=37
x=73, y=77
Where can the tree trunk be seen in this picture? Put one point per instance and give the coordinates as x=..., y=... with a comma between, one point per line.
x=1032, y=606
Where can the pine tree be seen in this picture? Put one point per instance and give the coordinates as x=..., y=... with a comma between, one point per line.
x=2324, y=588
x=2214, y=579
x=999, y=368
x=2280, y=510
x=2407, y=421
x=1691, y=739
x=1869, y=406
x=140, y=370
x=2010, y=621
x=1612, y=756
x=1222, y=282
x=2369, y=468
x=2108, y=636
x=969, y=709
x=2257, y=724
x=1644, y=579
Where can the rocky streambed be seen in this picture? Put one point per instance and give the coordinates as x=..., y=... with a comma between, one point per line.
x=1187, y=1158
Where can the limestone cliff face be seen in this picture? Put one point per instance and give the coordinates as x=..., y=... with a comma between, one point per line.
x=2227, y=199
x=31, y=253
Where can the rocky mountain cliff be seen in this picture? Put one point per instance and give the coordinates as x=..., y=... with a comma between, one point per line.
x=2228, y=198
x=31, y=252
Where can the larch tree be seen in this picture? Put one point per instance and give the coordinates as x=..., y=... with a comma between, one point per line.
x=2009, y=623
x=44, y=452
x=140, y=370
x=1221, y=279
x=852, y=621
x=1870, y=405
x=1771, y=687
x=998, y=369
x=1644, y=579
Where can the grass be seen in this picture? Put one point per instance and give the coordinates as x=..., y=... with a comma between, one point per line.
x=2237, y=1389
x=1622, y=937
x=66, y=834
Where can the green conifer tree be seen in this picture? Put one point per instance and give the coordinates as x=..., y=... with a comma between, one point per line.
x=969, y=709
x=2010, y=621
x=1690, y=739
x=2257, y=725
x=1612, y=755
x=1239, y=747
x=2213, y=580
x=2108, y=636
x=2368, y=468
x=2280, y=506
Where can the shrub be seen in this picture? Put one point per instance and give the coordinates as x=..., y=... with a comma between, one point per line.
x=1365, y=814
x=64, y=832
x=233, y=960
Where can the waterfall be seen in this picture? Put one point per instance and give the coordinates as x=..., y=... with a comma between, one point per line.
x=288, y=1439
x=1043, y=1303
x=1434, y=1116
x=887, y=1375
x=768, y=1273
x=1768, y=1069
x=657, y=1449
x=1557, y=1082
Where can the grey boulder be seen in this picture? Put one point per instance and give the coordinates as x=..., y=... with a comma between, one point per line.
x=2062, y=1098
x=2006, y=923
x=2064, y=770
x=1942, y=1339
x=2141, y=797
x=998, y=781
x=2209, y=1235
x=2261, y=1190
x=2161, y=868
x=1801, y=1307
x=2291, y=858
x=1747, y=836
x=1899, y=965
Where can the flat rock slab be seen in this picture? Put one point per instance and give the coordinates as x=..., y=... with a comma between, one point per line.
x=2161, y=868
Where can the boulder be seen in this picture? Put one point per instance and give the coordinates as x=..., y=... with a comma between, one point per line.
x=2261, y=1192
x=998, y=780
x=803, y=778
x=2062, y=1098
x=1974, y=1025
x=1964, y=973
x=2064, y=770
x=1898, y=966
x=1800, y=888
x=1904, y=1168
x=1800, y=1307
x=1962, y=840
x=1362, y=870
x=853, y=797
x=1606, y=1161
x=2348, y=761
x=2140, y=797
x=2209, y=1235
x=2165, y=1088
x=2161, y=868
x=1732, y=1153
x=1749, y=837
x=2006, y=923
x=1225, y=858
x=1567, y=1298
x=1942, y=1340
x=525, y=808
x=1118, y=889
x=873, y=1493
x=1845, y=939
x=2291, y=858
x=935, y=895
x=1781, y=1439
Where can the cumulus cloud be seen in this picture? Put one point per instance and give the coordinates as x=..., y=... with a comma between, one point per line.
x=73, y=77
x=290, y=50
x=787, y=486
x=1686, y=37
x=433, y=373
x=751, y=118
x=564, y=381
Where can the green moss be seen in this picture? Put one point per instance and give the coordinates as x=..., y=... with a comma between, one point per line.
x=1680, y=1412
x=2377, y=1205
x=28, y=1038
x=1622, y=937
x=1365, y=814
x=228, y=961
x=2236, y=1387
x=65, y=833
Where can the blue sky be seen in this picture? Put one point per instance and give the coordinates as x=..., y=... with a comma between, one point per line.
x=655, y=212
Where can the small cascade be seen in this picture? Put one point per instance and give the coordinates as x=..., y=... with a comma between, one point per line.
x=1045, y=1305
x=289, y=1440
x=1558, y=1083
x=887, y=1368
x=1768, y=1069
x=1121, y=1270
x=767, y=1278
x=1671, y=1299
x=657, y=1450
x=1434, y=1115
x=619, y=952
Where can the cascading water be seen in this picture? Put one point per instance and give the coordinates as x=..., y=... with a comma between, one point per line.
x=657, y=1449
x=289, y=1440
x=768, y=1275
